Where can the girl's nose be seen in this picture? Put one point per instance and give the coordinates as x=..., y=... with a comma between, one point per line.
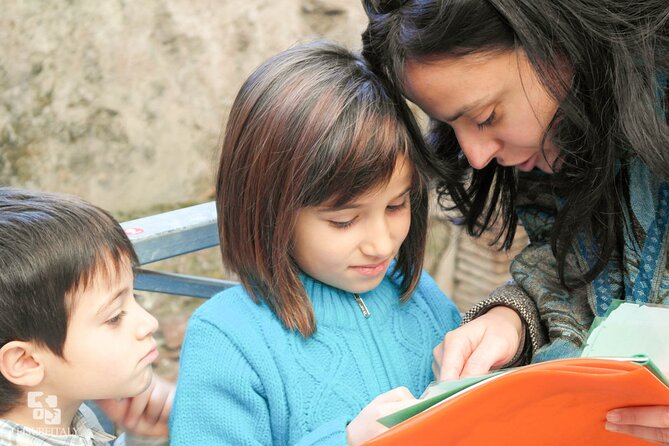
x=378, y=242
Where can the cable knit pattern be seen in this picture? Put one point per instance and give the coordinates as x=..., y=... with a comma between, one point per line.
x=245, y=380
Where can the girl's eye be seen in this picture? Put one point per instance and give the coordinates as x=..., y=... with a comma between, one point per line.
x=488, y=122
x=116, y=319
x=397, y=207
x=341, y=224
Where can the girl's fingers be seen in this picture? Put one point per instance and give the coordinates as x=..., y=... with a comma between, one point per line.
x=395, y=395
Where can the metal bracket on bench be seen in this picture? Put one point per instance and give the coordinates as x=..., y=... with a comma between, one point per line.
x=179, y=284
x=172, y=234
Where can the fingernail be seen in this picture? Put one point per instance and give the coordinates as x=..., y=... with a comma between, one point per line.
x=611, y=427
x=613, y=417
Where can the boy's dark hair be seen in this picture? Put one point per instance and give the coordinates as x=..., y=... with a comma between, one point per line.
x=311, y=125
x=51, y=245
x=616, y=100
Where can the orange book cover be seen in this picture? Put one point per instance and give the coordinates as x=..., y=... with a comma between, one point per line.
x=562, y=402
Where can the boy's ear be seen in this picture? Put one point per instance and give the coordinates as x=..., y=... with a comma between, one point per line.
x=20, y=365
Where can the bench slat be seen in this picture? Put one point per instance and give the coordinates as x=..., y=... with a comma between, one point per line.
x=173, y=233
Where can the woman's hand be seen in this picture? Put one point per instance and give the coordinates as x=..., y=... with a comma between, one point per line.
x=489, y=341
x=145, y=414
x=365, y=427
x=650, y=423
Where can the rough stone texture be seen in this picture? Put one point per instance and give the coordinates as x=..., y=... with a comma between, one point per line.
x=122, y=102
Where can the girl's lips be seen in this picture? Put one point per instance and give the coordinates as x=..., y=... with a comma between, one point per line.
x=371, y=270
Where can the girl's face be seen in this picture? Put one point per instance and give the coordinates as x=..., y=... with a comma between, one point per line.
x=495, y=103
x=350, y=247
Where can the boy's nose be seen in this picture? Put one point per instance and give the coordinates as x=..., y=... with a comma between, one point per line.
x=148, y=324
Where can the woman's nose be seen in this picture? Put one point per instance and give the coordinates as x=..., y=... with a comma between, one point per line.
x=479, y=149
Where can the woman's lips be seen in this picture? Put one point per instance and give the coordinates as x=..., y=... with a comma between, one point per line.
x=527, y=165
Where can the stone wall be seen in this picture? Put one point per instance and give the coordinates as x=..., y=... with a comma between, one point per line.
x=122, y=102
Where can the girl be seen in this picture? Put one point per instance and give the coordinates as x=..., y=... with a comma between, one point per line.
x=554, y=112
x=322, y=214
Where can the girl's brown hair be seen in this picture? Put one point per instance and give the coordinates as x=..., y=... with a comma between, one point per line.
x=311, y=125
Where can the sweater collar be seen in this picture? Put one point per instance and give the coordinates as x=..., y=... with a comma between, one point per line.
x=336, y=307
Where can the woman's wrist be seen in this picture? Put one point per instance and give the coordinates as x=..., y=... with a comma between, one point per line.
x=510, y=316
x=506, y=316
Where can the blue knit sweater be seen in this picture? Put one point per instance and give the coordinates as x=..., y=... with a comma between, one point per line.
x=245, y=380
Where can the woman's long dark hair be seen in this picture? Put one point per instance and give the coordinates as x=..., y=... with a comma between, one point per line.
x=611, y=104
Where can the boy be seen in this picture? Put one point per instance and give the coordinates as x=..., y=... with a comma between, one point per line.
x=70, y=328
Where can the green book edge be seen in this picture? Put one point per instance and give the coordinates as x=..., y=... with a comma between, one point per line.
x=449, y=388
x=615, y=303
x=641, y=359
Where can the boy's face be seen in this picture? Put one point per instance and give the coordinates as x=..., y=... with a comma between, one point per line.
x=350, y=247
x=109, y=346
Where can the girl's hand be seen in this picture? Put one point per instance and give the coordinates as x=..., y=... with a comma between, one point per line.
x=650, y=423
x=489, y=341
x=365, y=427
x=145, y=414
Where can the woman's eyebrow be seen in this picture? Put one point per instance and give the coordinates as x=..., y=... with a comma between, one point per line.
x=464, y=109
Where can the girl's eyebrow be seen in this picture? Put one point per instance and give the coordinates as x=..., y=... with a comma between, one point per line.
x=338, y=208
x=347, y=206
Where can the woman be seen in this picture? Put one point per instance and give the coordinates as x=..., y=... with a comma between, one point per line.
x=554, y=113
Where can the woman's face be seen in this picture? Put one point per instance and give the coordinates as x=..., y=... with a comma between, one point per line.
x=495, y=103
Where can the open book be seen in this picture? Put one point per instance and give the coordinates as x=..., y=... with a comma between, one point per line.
x=560, y=402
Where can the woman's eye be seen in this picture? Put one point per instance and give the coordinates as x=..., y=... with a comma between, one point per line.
x=488, y=122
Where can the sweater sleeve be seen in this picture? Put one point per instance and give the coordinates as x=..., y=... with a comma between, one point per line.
x=332, y=433
x=556, y=319
x=565, y=313
x=512, y=296
x=219, y=398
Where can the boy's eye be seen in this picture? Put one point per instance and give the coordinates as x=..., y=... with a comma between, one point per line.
x=116, y=319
